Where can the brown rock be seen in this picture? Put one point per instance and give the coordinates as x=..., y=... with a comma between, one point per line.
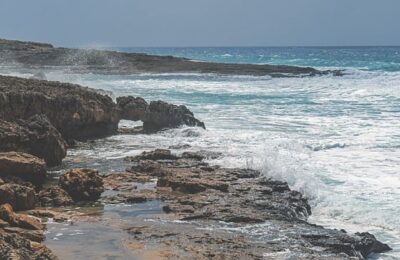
x=82, y=184
x=32, y=235
x=19, y=220
x=54, y=196
x=157, y=115
x=19, y=197
x=35, y=136
x=76, y=112
x=24, y=166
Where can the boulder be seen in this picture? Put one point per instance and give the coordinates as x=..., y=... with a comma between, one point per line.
x=82, y=184
x=75, y=111
x=14, y=246
x=157, y=115
x=55, y=197
x=24, y=166
x=19, y=220
x=19, y=197
x=36, y=136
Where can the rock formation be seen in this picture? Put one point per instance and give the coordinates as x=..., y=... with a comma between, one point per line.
x=82, y=184
x=76, y=112
x=35, y=136
x=24, y=166
x=157, y=115
x=29, y=55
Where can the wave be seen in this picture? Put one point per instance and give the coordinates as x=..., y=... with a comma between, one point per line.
x=326, y=146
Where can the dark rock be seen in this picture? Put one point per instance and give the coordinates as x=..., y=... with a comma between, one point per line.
x=38, y=55
x=132, y=108
x=24, y=166
x=194, y=191
x=157, y=115
x=19, y=197
x=158, y=154
x=369, y=244
x=161, y=115
x=55, y=197
x=14, y=246
x=76, y=112
x=82, y=184
x=19, y=220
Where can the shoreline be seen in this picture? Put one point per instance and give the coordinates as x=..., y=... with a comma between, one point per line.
x=184, y=184
x=30, y=55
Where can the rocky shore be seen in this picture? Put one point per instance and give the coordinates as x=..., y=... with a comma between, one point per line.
x=17, y=55
x=204, y=211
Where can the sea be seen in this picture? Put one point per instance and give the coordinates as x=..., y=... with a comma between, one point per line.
x=334, y=138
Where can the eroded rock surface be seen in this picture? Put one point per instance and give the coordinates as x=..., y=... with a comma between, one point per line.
x=205, y=196
x=76, y=112
x=14, y=246
x=157, y=115
x=18, y=196
x=35, y=136
x=24, y=166
x=82, y=184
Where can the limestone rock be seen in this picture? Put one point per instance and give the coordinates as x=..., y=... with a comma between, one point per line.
x=24, y=166
x=82, y=184
x=18, y=196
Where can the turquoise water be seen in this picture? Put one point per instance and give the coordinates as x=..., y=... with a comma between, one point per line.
x=336, y=139
x=366, y=58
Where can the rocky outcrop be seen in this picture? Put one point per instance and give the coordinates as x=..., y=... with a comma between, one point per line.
x=19, y=220
x=24, y=166
x=35, y=136
x=54, y=197
x=28, y=55
x=29, y=109
x=157, y=115
x=203, y=195
x=76, y=112
x=18, y=196
x=13, y=246
x=82, y=184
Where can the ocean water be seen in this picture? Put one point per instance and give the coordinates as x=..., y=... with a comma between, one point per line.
x=336, y=139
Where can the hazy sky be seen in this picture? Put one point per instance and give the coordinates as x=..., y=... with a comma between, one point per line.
x=202, y=22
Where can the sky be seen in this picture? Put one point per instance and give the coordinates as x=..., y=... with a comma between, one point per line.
x=186, y=23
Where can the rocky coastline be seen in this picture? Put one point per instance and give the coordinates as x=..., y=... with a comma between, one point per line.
x=19, y=55
x=40, y=120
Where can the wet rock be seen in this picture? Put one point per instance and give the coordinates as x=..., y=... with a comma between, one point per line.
x=138, y=196
x=193, y=184
x=193, y=155
x=82, y=184
x=200, y=194
x=14, y=246
x=369, y=244
x=19, y=197
x=76, y=112
x=157, y=115
x=55, y=197
x=19, y=220
x=132, y=108
x=24, y=166
x=158, y=154
x=32, y=235
x=161, y=115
